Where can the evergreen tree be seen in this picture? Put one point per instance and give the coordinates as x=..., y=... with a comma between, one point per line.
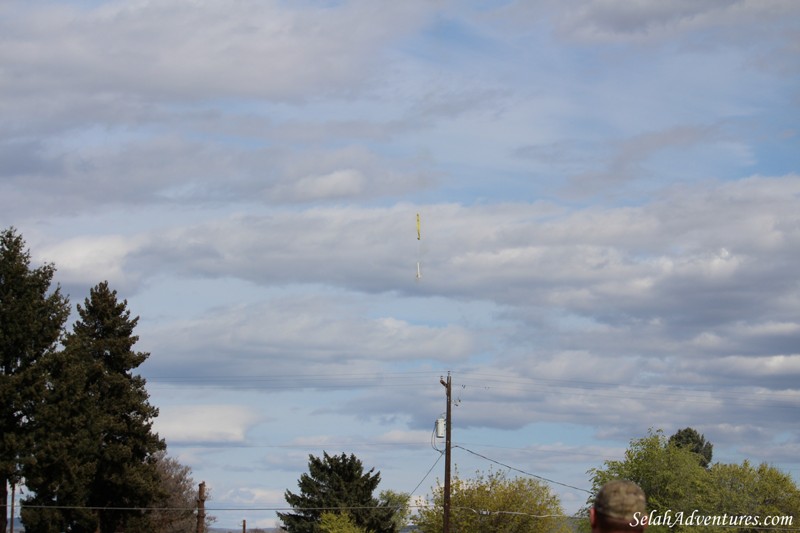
x=690, y=439
x=65, y=433
x=32, y=318
x=337, y=484
x=96, y=447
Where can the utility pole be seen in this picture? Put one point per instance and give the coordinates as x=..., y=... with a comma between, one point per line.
x=244, y=526
x=13, y=496
x=201, y=508
x=447, y=425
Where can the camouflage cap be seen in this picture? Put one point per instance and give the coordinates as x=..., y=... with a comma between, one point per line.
x=620, y=499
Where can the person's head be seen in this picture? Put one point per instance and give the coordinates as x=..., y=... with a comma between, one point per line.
x=619, y=506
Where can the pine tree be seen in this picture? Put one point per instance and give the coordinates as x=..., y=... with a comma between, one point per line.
x=32, y=317
x=337, y=483
x=96, y=447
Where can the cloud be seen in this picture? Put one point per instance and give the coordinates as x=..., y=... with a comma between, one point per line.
x=699, y=259
x=90, y=260
x=305, y=341
x=348, y=173
x=175, y=171
x=627, y=163
x=256, y=497
x=206, y=423
x=201, y=49
x=412, y=438
x=619, y=21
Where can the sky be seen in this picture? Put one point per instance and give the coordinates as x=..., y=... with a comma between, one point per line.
x=609, y=197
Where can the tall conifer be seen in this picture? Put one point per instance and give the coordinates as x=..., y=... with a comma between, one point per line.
x=32, y=316
x=338, y=484
x=105, y=463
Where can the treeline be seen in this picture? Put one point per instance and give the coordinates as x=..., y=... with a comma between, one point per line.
x=679, y=479
x=676, y=473
x=75, y=419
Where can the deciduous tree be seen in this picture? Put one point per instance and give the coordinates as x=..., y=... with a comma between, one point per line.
x=399, y=501
x=670, y=476
x=174, y=513
x=747, y=490
x=338, y=523
x=673, y=479
x=494, y=502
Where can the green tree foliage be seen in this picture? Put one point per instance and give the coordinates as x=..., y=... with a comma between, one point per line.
x=670, y=476
x=95, y=447
x=754, y=491
x=66, y=431
x=674, y=480
x=338, y=523
x=337, y=483
x=399, y=501
x=32, y=316
x=689, y=438
x=497, y=503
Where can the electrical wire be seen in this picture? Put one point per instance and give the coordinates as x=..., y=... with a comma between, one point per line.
x=413, y=379
x=522, y=471
x=427, y=474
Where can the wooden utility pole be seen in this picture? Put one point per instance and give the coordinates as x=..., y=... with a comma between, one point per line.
x=201, y=508
x=447, y=425
x=244, y=526
x=13, y=496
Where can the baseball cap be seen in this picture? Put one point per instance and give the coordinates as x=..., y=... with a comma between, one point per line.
x=620, y=499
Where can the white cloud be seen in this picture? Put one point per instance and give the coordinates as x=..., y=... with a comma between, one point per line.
x=256, y=497
x=783, y=365
x=339, y=183
x=202, y=49
x=299, y=335
x=90, y=260
x=206, y=423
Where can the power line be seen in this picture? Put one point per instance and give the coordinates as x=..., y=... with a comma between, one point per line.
x=427, y=473
x=382, y=380
x=522, y=471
